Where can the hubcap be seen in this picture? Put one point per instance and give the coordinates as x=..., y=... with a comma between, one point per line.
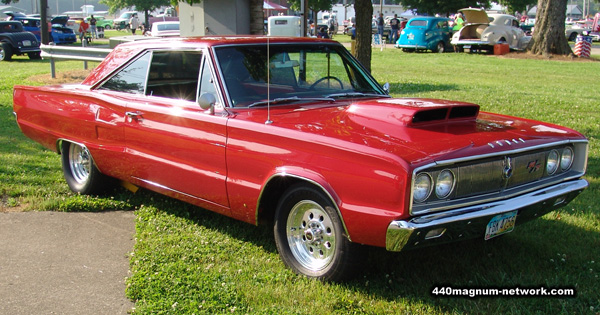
x=80, y=163
x=311, y=235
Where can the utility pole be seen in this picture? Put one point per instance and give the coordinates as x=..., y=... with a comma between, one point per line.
x=44, y=21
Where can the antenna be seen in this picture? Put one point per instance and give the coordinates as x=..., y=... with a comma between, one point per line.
x=269, y=121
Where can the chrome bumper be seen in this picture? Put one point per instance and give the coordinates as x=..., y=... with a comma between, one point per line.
x=471, y=222
x=411, y=46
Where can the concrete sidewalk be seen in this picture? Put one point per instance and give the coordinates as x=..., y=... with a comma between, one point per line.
x=65, y=263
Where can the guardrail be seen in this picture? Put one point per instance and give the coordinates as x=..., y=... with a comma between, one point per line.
x=84, y=54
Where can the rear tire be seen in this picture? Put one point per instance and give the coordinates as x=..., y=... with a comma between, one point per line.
x=310, y=237
x=5, y=52
x=79, y=170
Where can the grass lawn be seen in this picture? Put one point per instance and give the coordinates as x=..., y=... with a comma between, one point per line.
x=188, y=260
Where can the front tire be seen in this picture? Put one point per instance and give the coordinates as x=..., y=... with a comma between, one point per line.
x=310, y=237
x=440, y=47
x=5, y=52
x=79, y=170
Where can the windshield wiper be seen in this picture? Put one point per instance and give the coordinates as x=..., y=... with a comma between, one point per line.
x=293, y=99
x=356, y=94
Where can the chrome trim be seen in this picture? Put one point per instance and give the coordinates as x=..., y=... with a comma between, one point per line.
x=284, y=174
x=495, y=154
x=470, y=222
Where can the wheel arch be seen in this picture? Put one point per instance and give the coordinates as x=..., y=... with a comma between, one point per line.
x=282, y=180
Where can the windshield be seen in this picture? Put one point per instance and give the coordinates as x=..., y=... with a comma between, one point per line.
x=296, y=72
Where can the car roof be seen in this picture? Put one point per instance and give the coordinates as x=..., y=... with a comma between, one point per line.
x=125, y=51
x=213, y=41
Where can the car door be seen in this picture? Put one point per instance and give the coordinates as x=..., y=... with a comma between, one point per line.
x=173, y=144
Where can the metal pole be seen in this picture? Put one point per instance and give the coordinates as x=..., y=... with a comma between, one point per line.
x=52, y=68
x=303, y=17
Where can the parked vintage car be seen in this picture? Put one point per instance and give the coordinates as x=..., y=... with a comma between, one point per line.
x=164, y=29
x=14, y=40
x=294, y=132
x=60, y=33
x=482, y=31
x=103, y=22
x=585, y=28
x=426, y=33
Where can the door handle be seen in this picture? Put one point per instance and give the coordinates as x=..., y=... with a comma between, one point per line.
x=131, y=116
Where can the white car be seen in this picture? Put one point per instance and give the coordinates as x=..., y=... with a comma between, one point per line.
x=578, y=28
x=165, y=29
x=482, y=31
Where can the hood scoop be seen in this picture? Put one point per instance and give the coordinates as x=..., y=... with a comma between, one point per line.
x=416, y=112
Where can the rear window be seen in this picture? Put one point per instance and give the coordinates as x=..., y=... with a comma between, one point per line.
x=418, y=23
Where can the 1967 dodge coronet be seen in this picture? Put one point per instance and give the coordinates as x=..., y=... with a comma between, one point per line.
x=295, y=133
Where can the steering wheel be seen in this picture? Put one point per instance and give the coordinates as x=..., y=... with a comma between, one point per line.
x=329, y=77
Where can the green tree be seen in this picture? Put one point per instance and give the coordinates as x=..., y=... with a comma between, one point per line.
x=445, y=7
x=145, y=6
x=514, y=6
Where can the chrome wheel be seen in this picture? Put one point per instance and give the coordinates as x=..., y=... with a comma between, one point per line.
x=311, y=235
x=80, y=163
x=80, y=171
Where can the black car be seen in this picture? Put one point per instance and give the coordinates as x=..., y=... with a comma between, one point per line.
x=16, y=41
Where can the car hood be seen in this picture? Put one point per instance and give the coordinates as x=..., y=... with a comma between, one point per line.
x=62, y=20
x=419, y=131
x=475, y=16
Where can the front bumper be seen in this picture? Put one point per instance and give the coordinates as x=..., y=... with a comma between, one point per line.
x=467, y=42
x=471, y=222
x=411, y=46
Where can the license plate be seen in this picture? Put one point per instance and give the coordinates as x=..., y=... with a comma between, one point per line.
x=411, y=36
x=467, y=46
x=501, y=224
x=26, y=43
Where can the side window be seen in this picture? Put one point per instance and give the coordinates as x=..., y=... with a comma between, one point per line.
x=131, y=79
x=207, y=84
x=174, y=74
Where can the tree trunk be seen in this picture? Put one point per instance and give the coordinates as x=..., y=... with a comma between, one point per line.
x=364, y=16
x=257, y=26
x=549, y=32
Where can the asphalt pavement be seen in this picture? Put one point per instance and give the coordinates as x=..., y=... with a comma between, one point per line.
x=65, y=263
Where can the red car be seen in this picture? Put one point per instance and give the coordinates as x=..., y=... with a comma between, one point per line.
x=294, y=132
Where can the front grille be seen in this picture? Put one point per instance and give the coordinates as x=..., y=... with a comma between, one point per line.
x=498, y=176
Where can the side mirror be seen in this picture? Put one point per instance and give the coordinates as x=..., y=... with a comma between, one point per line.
x=207, y=102
x=386, y=88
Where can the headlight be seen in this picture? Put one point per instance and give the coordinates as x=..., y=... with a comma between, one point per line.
x=552, y=162
x=422, y=187
x=566, y=159
x=444, y=184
